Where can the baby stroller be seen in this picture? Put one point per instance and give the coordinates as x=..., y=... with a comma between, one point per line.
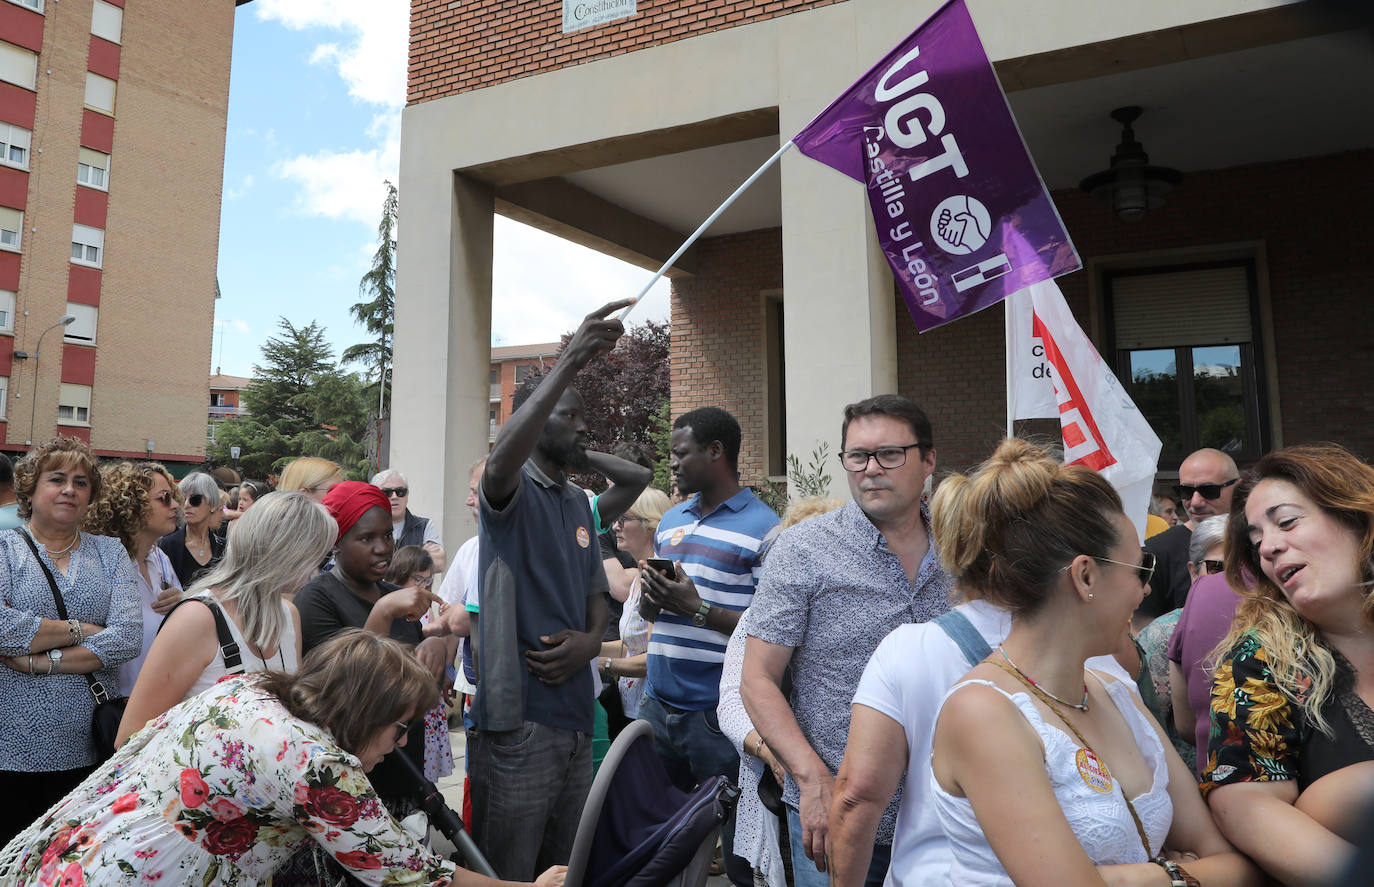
x=637, y=829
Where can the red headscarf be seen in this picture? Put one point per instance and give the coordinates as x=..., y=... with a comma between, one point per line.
x=350, y=500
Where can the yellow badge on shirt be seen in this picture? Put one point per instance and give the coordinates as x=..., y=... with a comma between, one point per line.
x=678, y=535
x=582, y=538
x=1094, y=771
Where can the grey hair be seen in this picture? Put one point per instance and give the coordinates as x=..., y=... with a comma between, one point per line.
x=273, y=550
x=198, y=482
x=1206, y=534
x=384, y=474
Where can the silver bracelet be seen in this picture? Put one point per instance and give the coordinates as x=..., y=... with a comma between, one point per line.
x=52, y=665
x=31, y=663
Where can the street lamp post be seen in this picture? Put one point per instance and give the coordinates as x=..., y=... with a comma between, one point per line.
x=67, y=320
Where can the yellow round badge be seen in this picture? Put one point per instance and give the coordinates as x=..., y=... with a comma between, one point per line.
x=582, y=538
x=1093, y=771
x=678, y=535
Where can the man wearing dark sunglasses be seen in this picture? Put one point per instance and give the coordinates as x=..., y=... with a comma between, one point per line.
x=1206, y=481
x=407, y=528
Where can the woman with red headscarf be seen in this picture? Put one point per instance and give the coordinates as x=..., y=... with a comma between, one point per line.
x=355, y=595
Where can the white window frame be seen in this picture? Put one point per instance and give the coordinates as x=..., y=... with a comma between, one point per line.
x=113, y=16
x=35, y=5
x=94, y=79
x=75, y=398
x=11, y=135
x=17, y=234
x=7, y=300
x=89, y=240
x=84, y=166
x=82, y=330
x=32, y=79
x=4, y=397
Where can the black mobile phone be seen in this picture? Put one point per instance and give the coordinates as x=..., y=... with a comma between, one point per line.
x=663, y=565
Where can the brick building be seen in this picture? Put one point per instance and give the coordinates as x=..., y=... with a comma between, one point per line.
x=1237, y=311
x=112, y=131
x=509, y=364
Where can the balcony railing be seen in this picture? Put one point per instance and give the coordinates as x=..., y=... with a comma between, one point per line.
x=225, y=412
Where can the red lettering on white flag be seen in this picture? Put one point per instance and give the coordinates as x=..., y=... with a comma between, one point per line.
x=1083, y=442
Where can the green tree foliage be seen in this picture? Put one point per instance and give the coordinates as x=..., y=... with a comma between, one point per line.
x=300, y=404
x=377, y=313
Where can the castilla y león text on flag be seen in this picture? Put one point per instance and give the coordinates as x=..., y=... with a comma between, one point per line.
x=928, y=131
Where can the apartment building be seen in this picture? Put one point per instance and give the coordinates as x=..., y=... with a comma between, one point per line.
x=112, y=133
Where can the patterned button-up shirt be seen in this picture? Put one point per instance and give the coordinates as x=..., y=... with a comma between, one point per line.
x=832, y=590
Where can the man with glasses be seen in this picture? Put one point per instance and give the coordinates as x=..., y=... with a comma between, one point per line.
x=407, y=528
x=832, y=588
x=1206, y=481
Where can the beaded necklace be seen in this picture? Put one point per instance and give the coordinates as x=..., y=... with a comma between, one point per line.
x=1080, y=706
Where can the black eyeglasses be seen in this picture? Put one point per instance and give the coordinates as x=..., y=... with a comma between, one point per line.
x=195, y=500
x=1213, y=566
x=888, y=457
x=1145, y=569
x=398, y=492
x=401, y=730
x=1206, y=491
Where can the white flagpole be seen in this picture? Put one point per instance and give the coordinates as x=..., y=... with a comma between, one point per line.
x=704, y=225
x=1009, y=316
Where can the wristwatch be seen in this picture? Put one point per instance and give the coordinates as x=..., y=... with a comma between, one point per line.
x=54, y=661
x=699, y=617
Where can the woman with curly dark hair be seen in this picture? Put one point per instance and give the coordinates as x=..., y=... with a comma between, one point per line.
x=138, y=505
x=51, y=640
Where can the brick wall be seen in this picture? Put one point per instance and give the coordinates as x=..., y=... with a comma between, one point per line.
x=1309, y=214
x=718, y=340
x=456, y=47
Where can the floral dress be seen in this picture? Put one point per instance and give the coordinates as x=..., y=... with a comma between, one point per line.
x=221, y=790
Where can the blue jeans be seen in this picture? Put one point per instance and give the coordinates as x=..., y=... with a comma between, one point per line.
x=694, y=750
x=528, y=789
x=804, y=872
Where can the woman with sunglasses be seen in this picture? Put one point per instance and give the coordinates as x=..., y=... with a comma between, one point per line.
x=272, y=553
x=355, y=594
x=225, y=787
x=1291, y=748
x=1043, y=771
x=138, y=504
x=195, y=548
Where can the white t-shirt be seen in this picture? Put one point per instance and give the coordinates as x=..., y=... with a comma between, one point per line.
x=160, y=569
x=907, y=679
x=460, y=581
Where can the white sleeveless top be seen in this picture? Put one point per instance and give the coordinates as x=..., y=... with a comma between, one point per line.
x=1102, y=822
x=284, y=660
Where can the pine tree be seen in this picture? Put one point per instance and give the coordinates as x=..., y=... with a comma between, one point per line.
x=378, y=313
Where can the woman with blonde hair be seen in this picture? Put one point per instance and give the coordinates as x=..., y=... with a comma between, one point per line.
x=225, y=787
x=272, y=554
x=310, y=475
x=1292, y=737
x=138, y=504
x=626, y=660
x=1043, y=771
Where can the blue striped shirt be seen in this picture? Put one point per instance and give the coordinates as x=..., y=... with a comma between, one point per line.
x=720, y=552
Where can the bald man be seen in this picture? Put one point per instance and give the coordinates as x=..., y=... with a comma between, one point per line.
x=1206, y=481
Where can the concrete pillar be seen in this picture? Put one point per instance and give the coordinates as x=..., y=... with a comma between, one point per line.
x=839, y=324
x=443, y=339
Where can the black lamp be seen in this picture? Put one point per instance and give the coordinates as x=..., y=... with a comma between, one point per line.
x=1131, y=186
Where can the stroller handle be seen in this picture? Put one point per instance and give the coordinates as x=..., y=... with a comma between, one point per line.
x=446, y=821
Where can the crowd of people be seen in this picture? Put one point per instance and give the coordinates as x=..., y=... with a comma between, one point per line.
x=994, y=684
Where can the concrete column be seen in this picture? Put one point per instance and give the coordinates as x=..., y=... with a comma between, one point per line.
x=840, y=334
x=443, y=339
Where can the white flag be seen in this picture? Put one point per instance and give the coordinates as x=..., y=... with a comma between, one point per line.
x=1054, y=370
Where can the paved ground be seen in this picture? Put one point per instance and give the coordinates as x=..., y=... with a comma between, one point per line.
x=451, y=787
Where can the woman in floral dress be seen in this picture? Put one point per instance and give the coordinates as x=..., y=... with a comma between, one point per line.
x=225, y=787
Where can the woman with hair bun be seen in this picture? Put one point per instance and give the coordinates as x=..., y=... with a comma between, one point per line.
x=1044, y=771
x=1290, y=755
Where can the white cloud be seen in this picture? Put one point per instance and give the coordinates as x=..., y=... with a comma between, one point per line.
x=370, y=57
x=244, y=184
x=348, y=184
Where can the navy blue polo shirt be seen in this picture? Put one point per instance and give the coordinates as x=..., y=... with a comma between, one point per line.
x=538, y=563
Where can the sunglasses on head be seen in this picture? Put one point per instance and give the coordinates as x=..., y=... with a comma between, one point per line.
x=1206, y=491
x=398, y=492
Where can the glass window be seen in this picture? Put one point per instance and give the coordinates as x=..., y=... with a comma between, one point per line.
x=11, y=227
x=35, y=5
x=81, y=330
x=92, y=168
x=74, y=403
x=6, y=311
x=88, y=245
x=14, y=145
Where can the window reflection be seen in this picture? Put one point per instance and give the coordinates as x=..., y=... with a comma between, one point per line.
x=1154, y=388
x=1219, y=391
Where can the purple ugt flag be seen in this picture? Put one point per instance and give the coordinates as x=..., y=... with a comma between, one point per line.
x=928, y=131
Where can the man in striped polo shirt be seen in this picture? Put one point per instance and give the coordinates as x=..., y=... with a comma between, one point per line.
x=714, y=538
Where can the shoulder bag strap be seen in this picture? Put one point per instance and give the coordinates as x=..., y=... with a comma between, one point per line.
x=228, y=647
x=97, y=688
x=962, y=632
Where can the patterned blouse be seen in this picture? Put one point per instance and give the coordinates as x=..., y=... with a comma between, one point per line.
x=221, y=790
x=1258, y=734
x=45, y=722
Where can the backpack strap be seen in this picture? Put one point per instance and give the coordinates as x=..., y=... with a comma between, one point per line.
x=228, y=647
x=965, y=636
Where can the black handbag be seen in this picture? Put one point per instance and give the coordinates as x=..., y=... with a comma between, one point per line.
x=109, y=710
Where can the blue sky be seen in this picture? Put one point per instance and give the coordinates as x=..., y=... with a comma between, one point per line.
x=315, y=98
